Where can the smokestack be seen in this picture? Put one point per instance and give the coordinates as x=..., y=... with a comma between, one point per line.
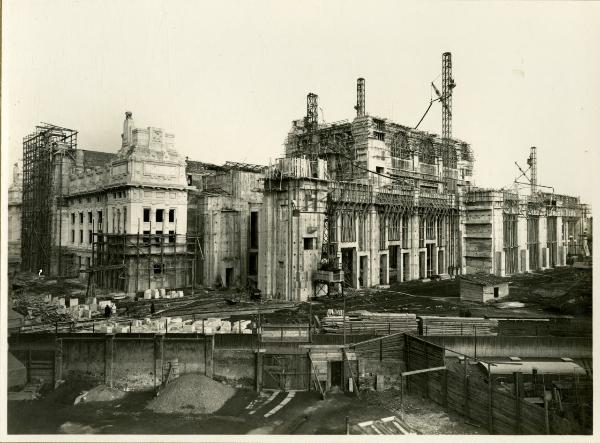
x=360, y=97
x=533, y=165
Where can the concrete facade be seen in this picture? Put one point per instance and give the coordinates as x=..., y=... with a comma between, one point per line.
x=15, y=201
x=140, y=193
x=377, y=200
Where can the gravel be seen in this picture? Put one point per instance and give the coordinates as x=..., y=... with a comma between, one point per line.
x=191, y=394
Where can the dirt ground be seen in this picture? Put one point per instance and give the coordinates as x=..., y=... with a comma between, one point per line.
x=555, y=292
x=422, y=415
x=551, y=293
x=305, y=414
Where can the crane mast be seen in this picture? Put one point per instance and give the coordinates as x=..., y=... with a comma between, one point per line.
x=447, y=87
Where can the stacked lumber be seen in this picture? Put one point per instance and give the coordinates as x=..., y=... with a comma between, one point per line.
x=431, y=325
x=372, y=322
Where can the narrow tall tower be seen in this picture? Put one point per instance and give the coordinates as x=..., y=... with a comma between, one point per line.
x=532, y=161
x=312, y=111
x=360, y=97
x=447, y=87
x=311, y=123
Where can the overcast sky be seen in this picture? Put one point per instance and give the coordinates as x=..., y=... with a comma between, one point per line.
x=227, y=78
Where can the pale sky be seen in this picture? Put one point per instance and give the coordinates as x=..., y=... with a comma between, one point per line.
x=227, y=78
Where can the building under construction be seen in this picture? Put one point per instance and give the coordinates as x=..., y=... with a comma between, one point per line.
x=355, y=203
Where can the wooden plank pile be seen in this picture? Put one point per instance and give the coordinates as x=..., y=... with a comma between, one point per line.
x=430, y=325
x=371, y=322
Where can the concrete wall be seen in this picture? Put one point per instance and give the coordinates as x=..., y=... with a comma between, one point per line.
x=222, y=220
x=141, y=362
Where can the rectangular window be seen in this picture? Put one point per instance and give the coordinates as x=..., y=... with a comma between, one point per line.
x=79, y=260
x=429, y=228
x=88, y=262
x=158, y=237
x=90, y=217
x=125, y=220
x=171, y=236
x=171, y=215
x=379, y=124
x=348, y=227
x=81, y=217
x=72, y=218
x=253, y=230
x=146, y=215
x=394, y=226
x=90, y=237
x=379, y=135
x=382, y=230
x=81, y=236
x=99, y=220
x=158, y=268
x=159, y=215
x=309, y=243
x=72, y=235
x=146, y=237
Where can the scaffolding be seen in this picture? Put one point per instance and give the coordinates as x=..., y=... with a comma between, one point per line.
x=44, y=153
x=135, y=262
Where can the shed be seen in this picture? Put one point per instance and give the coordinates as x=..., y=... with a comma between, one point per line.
x=482, y=287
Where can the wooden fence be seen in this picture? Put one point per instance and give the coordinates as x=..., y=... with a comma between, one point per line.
x=463, y=387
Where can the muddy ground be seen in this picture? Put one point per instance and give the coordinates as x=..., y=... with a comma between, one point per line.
x=544, y=294
x=555, y=292
x=305, y=414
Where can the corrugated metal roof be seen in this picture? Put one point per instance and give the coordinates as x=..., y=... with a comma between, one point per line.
x=526, y=367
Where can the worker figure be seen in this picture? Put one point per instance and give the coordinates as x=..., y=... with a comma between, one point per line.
x=152, y=309
x=40, y=273
x=107, y=311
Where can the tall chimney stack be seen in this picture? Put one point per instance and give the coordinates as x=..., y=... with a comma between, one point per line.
x=533, y=165
x=360, y=97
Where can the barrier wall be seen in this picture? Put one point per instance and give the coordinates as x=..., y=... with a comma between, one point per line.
x=463, y=387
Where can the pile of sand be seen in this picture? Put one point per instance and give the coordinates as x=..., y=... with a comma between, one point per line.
x=192, y=394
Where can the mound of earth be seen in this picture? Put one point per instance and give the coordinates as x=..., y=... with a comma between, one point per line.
x=192, y=394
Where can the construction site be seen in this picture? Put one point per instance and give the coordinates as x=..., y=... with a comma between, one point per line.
x=360, y=284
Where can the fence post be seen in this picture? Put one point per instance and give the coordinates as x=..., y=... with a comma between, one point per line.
x=427, y=373
x=547, y=422
x=466, y=382
x=445, y=387
x=490, y=401
x=517, y=381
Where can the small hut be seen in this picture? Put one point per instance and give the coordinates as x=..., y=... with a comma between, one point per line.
x=482, y=287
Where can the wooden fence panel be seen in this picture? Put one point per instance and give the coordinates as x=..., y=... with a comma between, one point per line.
x=467, y=392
